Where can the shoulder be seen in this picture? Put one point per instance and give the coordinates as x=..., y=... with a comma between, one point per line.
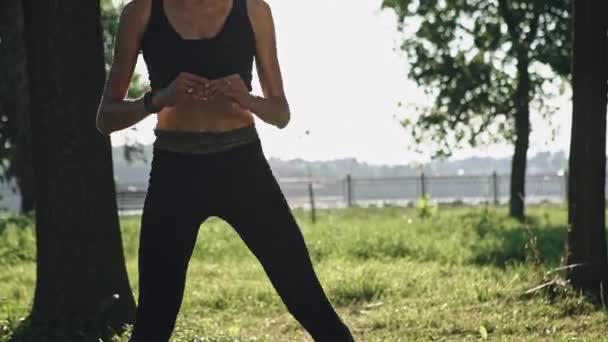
x=258, y=5
x=260, y=16
x=136, y=12
x=259, y=11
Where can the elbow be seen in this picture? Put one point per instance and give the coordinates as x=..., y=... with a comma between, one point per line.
x=103, y=130
x=284, y=121
x=286, y=117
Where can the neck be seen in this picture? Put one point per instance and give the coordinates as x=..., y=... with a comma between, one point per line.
x=198, y=3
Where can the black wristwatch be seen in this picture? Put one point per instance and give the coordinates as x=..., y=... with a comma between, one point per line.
x=148, y=104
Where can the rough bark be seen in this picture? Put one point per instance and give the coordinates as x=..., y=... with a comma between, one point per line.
x=586, y=241
x=80, y=261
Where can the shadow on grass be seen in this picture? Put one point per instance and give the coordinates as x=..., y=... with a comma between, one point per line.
x=479, y=236
x=28, y=330
x=356, y=291
x=500, y=243
x=520, y=245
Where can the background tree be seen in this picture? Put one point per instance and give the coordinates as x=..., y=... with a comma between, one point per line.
x=81, y=280
x=15, y=140
x=486, y=63
x=587, y=177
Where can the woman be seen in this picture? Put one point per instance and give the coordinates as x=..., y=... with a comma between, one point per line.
x=208, y=159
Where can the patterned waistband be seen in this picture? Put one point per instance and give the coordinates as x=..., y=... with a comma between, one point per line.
x=204, y=142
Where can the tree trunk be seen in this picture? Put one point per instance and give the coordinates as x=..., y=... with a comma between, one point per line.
x=586, y=243
x=15, y=101
x=81, y=278
x=522, y=132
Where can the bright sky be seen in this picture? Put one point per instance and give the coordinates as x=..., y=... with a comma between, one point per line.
x=343, y=77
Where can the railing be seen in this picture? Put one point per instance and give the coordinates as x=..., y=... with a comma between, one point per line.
x=348, y=191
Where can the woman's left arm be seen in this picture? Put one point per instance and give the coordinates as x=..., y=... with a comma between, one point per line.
x=273, y=108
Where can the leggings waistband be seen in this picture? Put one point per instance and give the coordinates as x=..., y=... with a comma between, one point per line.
x=204, y=142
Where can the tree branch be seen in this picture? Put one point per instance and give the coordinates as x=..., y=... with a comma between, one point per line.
x=505, y=12
x=533, y=27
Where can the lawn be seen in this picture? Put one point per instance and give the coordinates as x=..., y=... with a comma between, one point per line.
x=458, y=274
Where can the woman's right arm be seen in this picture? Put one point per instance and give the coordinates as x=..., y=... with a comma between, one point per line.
x=114, y=112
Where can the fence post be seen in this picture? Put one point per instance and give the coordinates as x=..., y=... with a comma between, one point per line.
x=422, y=185
x=566, y=188
x=495, y=187
x=349, y=191
x=312, y=202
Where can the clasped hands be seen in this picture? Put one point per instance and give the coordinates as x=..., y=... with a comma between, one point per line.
x=188, y=86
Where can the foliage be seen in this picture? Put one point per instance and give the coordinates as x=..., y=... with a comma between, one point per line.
x=465, y=55
x=17, y=238
x=9, y=218
x=425, y=207
x=110, y=15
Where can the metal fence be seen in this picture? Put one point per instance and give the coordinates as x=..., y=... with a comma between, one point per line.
x=348, y=191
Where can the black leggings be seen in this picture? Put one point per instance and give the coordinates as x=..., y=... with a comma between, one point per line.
x=239, y=187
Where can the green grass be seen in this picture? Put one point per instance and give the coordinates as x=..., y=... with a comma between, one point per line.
x=457, y=275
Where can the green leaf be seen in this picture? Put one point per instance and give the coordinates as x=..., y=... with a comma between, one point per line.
x=483, y=332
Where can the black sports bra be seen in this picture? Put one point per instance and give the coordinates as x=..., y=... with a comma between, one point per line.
x=167, y=54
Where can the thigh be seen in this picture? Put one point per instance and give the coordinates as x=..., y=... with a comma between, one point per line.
x=171, y=216
x=255, y=206
x=169, y=228
x=261, y=216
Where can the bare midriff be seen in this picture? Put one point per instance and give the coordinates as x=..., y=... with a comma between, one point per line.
x=218, y=114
